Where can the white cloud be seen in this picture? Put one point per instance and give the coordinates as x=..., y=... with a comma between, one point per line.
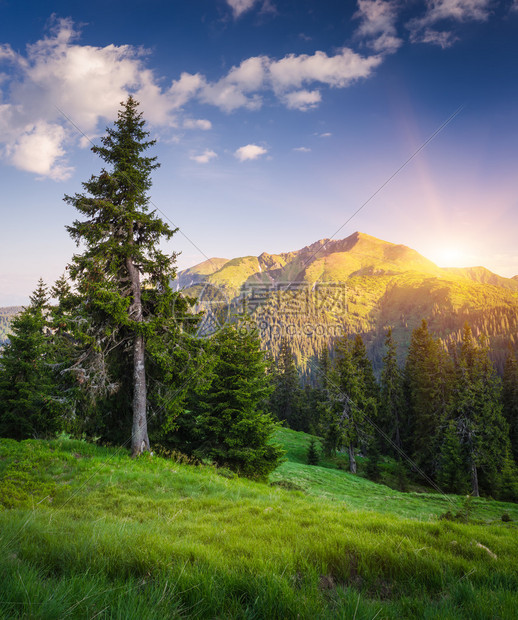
x=88, y=83
x=302, y=99
x=250, y=151
x=443, y=39
x=514, y=6
x=339, y=71
x=234, y=90
x=40, y=149
x=205, y=157
x=185, y=88
x=302, y=149
x=327, y=134
x=446, y=11
x=241, y=6
x=197, y=123
x=378, y=24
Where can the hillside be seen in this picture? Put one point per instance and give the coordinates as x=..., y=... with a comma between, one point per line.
x=364, y=285
x=88, y=532
x=6, y=315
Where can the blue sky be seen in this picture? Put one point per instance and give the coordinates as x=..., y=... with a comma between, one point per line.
x=275, y=119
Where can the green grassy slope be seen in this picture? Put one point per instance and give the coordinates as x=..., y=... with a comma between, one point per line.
x=88, y=532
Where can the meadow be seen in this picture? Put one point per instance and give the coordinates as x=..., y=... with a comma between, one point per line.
x=88, y=532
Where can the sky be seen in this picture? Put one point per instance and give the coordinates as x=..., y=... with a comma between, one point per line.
x=278, y=123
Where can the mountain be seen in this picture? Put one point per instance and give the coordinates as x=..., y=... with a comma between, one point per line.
x=364, y=285
x=6, y=314
x=195, y=275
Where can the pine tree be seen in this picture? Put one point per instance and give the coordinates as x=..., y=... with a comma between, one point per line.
x=392, y=406
x=364, y=365
x=230, y=426
x=123, y=279
x=510, y=400
x=373, y=470
x=285, y=401
x=313, y=458
x=452, y=470
x=426, y=379
x=27, y=387
x=477, y=410
x=349, y=403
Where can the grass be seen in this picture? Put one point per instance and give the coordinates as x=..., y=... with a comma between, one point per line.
x=88, y=532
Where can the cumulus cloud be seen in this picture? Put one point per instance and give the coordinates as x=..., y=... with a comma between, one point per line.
x=241, y=6
x=205, y=157
x=423, y=29
x=88, y=83
x=378, y=24
x=302, y=149
x=197, y=123
x=250, y=151
x=302, y=99
x=236, y=89
x=339, y=71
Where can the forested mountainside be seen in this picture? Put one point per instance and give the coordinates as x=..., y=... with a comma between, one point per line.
x=6, y=314
x=357, y=285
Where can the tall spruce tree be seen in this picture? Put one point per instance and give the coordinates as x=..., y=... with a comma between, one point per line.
x=285, y=401
x=364, y=365
x=426, y=382
x=123, y=278
x=477, y=411
x=392, y=406
x=510, y=400
x=350, y=402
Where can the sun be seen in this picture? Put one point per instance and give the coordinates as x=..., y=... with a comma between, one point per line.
x=449, y=256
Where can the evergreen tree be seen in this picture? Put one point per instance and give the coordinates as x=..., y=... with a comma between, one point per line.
x=452, y=472
x=349, y=404
x=392, y=406
x=373, y=470
x=364, y=365
x=426, y=379
x=285, y=401
x=477, y=410
x=123, y=279
x=27, y=404
x=313, y=458
x=230, y=425
x=510, y=400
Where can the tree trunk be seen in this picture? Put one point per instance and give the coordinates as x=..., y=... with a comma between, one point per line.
x=474, y=480
x=352, y=460
x=139, y=436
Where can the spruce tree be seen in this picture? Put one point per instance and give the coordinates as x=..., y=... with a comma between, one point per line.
x=286, y=398
x=452, y=471
x=122, y=277
x=510, y=400
x=28, y=407
x=426, y=380
x=392, y=406
x=231, y=426
x=477, y=411
x=349, y=402
x=313, y=457
x=364, y=365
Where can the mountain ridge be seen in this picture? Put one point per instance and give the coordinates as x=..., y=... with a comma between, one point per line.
x=385, y=285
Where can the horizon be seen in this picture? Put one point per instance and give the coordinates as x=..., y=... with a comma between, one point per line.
x=277, y=123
